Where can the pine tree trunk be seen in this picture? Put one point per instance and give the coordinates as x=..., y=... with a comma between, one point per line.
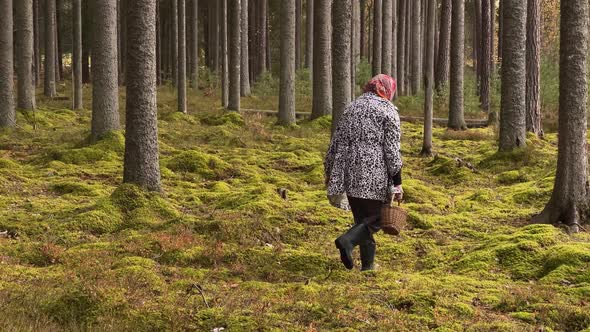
x=341, y=51
x=363, y=34
x=477, y=43
x=500, y=29
x=288, y=59
x=49, y=85
x=486, y=57
x=224, y=56
x=322, y=69
x=416, y=47
x=7, y=111
x=123, y=41
x=394, y=44
x=456, y=106
x=105, y=92
x=356, y=46
x=377, y=36
x=401, y=58
x=23, y=22
x=252, y=39
x=175, y=40
x=513, y=108
x=181, y=27
x=215, y=27
x=408, y=55
x=442, y=68
x=141, y=165
x=36, y=41
x=59, y=40
x=268, y=53
x=298, y=27
x=77, y=55
x=234, y=50
x=158, y=45
x=309, y=35
x=86, y=40
x=386, y=40
x=492, y=34
x=429, y=77
x=195, y=45
x=262, y=9
x=533, y=66
x=245, y=67
x=569, y=203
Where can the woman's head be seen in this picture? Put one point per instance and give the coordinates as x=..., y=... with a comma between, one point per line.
x=382, y=85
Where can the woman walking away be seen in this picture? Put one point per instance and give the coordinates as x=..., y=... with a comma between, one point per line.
x=364, y=164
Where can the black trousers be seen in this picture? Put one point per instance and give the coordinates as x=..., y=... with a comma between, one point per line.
x=366, y=211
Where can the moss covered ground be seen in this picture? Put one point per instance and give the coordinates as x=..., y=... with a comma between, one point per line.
x=221, y=248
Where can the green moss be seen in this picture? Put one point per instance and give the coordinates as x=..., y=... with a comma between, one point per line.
x=74, y=188
x=135, y=261
x=228, y=118
x=200, y=163
x=511, y=177
x=8, y=164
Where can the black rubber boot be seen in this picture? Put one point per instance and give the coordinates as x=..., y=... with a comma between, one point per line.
x=368, y=256
x=358, y=234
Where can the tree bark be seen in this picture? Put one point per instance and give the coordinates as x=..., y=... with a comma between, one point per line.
x=7, y=111
x=23, y=21
x=77, y=55
x=322, y=71
x=429, y=77
x=442, y=68
x=49, y=86
x=105, y=91
x=36, y=41
x=386, y=40
x=86, y=38
x=234, y=50
x=356, y=46
x=416, y=47
x=456, y=106
x=569, y=203
x=245, y=68
x=533, y=66
x=513, y=108
x=181, y=27
x=59, y=75
x=141, y=164
x=408, y=56
x=298, y=26
x=288, y=59
x=341, y=51
x=267, y=36
x=401, y=58
x=394, y=45
x=477, y=43
x=363, y=22
x=123, y=41
x=486, y=57
x=262, y=9
x=309, y=35
x=158, y=45
x=377, y=36
x=492, y=33
x=195, y=45
x=175, y=43
x=224, y=56
x=500, y=29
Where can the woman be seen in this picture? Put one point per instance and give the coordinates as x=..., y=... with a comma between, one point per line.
x=364, y=163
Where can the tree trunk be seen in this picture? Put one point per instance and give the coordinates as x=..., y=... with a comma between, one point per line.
x=181, y=27
x=59, y=40
x=262, y=9
x=195, y=45
x=456, y=107
x=492, y=34
x=245, y=68
x=513, y=108
x=533, y=66
x=24, y=54
x=394, y=45
x=288, y=44
x=175, y=40
x=401, y=58
x=429, y=77
x=486, y=57
x=309, y=35
x=214, y=26
x=569, y=203
x=416, y=47
x=77, y=55
x=224, y=56
x=363, y=18
x=141, y=165
x=500, y=30
x=7, y=111
x=105, y=92
x=386, y=40
x=123, y=41
x=36, y=41
x=341, y=23
x=477, y=43
x=158, y=44
x=49, y=85
x=268, y=53
x=356, y=46
x=252, y=39
x=86, y=38
x=322, y=71
x=234, y=50
x=377, y=36
x=408, y=55
x=298, y=26
x=442, y=68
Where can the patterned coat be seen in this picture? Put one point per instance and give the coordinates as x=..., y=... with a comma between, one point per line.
x=364, y=155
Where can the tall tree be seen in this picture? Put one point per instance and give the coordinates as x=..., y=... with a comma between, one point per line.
x=122, y=40
x=500, y=29
x=234, y=50
x=356, y=45
x=141, y=164
x=214, y=25
x=493, y=33
x=59, y=74
x=195, y=44
x=298, y=27
x=24, y=53
x=77, y=55
x=158, y=44
x=386, y=40
x=363, y=34
x=429, y=79
x=245, y=68
x=377, y=36
x=175, y=42
x=49, y=85
x=181, y=7
x=224, y=56
x=569, y=203
x=394, y=45
x=486, y=56
x=7, y=112
x=287, y=85
x=416, y=46
x=261, y=34
x=477, y=56
x=322, y=69
x=105, y=89
x=444, y=49
x=513, y=108
x=341, y=52
x=533, y=66
x=86, y=40
x=401, y=58
x=309, y=34
x=36, y=41
x=456, y=106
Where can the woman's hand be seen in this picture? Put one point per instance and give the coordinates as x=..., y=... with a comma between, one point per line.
x=398, y=193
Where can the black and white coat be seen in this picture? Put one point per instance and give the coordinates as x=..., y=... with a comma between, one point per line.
x=364, y=157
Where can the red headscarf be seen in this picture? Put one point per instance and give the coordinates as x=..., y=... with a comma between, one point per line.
x=383, y=86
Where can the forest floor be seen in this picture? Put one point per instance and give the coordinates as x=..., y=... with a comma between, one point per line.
x=221, y=248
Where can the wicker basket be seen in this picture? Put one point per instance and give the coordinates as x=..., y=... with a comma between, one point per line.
x=393, y=219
